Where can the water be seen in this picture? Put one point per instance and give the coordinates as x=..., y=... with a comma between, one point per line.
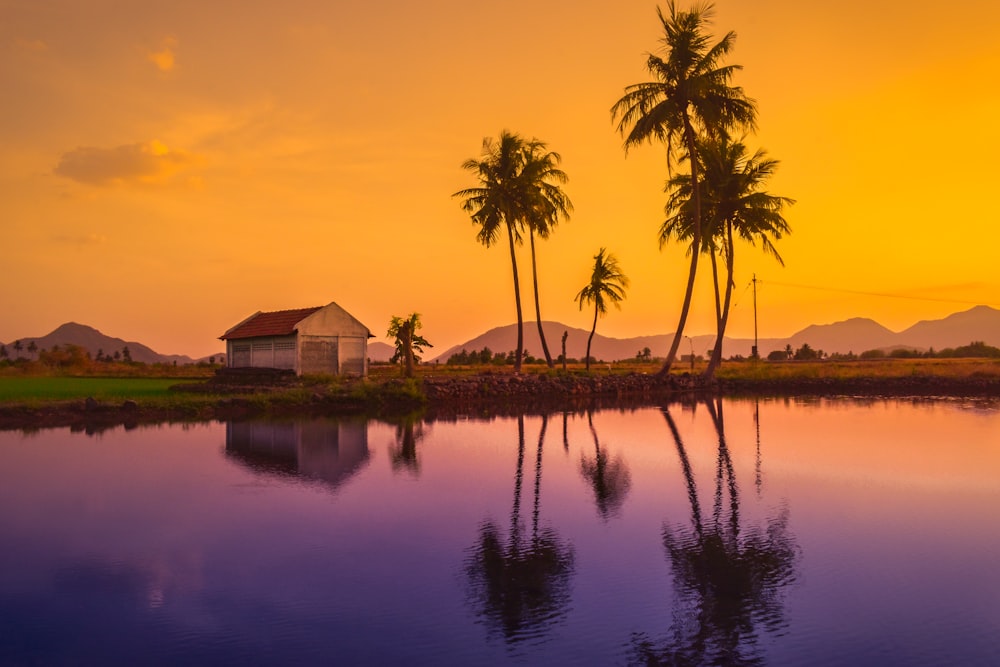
x=822, y=532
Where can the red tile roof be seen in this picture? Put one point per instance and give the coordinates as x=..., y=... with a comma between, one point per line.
x=277, y=323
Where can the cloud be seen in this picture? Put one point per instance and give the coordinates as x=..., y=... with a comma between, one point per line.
x=164, y=59
x=31, y=45
x=143, y=163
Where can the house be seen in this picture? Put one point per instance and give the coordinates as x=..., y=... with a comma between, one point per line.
x=323, y=339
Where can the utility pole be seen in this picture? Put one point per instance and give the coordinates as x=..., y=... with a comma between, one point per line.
x=755, y=355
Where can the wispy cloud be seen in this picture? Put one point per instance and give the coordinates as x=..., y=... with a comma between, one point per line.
x=165, y=58
x=30, y=45
x=143, y=163
x=80, y=239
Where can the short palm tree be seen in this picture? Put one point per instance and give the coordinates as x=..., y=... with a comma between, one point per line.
x=690, y=93
x=607, y=285
x=408, y=343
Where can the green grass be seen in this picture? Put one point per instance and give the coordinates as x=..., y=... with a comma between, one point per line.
x=32, y=389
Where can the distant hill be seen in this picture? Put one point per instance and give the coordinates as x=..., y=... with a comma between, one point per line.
x=380, y=351
x=979, y=323
x=853, y=335
x=93, y=340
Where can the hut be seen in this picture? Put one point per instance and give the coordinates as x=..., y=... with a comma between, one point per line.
x=322, y=339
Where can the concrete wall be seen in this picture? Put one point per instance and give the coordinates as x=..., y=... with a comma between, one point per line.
x=333, y=341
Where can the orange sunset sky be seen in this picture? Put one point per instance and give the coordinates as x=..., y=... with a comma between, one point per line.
x=168, y=168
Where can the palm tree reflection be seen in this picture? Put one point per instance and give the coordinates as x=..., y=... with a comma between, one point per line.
x=608, y=477
x=728, y=581
x=403, y=451
x=521, y=587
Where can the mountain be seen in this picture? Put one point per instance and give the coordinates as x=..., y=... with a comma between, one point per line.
x=853, y=335
x=380, y=351
x=979, y=323
x=504, y=339
x=93, y=340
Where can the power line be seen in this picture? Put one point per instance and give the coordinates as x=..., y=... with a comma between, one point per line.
x=880, y=294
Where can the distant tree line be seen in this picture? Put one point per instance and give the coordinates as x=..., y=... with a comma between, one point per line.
x=75, y=357
x=974, y=350
x=486, y=356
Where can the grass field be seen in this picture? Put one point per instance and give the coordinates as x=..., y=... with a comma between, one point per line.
x=29, y=389
x=154, y=390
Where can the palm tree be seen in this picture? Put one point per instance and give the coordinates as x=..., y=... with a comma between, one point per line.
x=409, y=344
x=607, y=285
x=729, y=581
x=521, y=587
x=403, y=451
x=608, y=477
x=542, y=178
x=18, y=346
x=733, y=204
x=690, y=92
x=499, y=202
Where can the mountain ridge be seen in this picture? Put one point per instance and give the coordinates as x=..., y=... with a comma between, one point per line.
x=857, y=334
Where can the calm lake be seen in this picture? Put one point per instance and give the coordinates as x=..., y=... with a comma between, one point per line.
x=771, y=532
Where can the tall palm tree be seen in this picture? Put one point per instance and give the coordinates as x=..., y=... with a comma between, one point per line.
x=734, y=204
x=607, y=285
x=729, y=580
x=499, y=203
x=521, y=587
x=542, y=178
x=742, y=208
x=690, y=92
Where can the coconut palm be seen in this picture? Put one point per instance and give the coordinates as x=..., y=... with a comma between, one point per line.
x=734, y=204
x=498, y=203
x=542, y=178
x=608, y=477
x=521, y=587
x=607, y=285
x=691, y=92
x=519, y=187
x=729, y=581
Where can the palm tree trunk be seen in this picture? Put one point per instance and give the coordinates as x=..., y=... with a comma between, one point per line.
x=688, y=473
x=724, y=316
x=591, y=337
x=538, y=308
x=515, y=514
x=517, y=302
x=536, y=511
x=695, y=248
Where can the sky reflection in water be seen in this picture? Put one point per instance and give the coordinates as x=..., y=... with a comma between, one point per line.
x=778, y=532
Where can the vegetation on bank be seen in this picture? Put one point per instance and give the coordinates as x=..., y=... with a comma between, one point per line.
x=74, y=360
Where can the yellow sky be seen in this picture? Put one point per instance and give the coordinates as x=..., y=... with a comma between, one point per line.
x=169, y=168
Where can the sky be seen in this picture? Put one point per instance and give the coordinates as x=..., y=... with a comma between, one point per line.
x=169, y=168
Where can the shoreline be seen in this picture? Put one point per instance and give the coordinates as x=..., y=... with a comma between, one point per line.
x=477, y=396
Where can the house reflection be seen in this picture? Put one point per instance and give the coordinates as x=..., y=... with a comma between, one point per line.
x=324, y=450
